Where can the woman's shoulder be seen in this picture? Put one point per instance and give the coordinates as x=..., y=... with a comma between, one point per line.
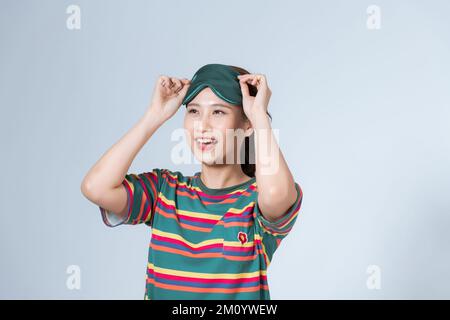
x=171, y=175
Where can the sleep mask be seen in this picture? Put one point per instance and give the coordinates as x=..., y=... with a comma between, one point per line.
x=222, y=79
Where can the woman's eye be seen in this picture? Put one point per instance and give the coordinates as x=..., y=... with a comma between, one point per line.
x=192, y=111
x=219, y=111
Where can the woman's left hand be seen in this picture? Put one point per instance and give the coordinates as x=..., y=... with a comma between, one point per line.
x=254, y=106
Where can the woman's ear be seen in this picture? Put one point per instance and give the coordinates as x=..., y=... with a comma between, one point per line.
x=248, y=128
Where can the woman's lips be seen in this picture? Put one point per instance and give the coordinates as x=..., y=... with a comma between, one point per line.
x=206, y=145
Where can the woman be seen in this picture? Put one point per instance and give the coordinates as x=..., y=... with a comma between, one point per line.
x=213, y=233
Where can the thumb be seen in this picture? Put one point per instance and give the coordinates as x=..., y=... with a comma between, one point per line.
x=185, y=81
x=185, y=88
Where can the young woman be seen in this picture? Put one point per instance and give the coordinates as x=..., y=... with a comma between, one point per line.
x=214, y=233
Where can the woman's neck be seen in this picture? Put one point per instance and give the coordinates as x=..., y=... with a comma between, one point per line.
x=220, y=176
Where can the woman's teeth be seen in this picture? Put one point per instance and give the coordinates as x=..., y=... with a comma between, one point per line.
x=205, y=143
x=205, y=140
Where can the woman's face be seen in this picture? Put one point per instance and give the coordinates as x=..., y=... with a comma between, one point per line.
x=222, y=126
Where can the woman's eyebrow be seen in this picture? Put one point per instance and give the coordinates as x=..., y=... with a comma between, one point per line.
x=212, y=105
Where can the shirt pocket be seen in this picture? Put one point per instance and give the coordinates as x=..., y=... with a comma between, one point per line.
x=239, y=237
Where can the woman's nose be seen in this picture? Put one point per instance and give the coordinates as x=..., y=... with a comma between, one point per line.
x=204, y=122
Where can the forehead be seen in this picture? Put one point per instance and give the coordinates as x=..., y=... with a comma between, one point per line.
x=207, y=97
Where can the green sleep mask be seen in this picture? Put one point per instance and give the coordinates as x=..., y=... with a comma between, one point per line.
x=222, y=79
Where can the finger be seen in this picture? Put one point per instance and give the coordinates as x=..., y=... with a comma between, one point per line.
x=258, y=79
x=177, y=84
x=185, y=83
x=164, y=80
x=251, y=79
x=184, y=89
x=245, y=76
x=171, y=83
x=262, y=78
x=261, y=82
x=244, y=88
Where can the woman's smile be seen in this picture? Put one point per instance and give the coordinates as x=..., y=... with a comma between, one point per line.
x=206, y=144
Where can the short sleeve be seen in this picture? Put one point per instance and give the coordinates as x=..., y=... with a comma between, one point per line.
x=142, y=194
x=283, y=225
x=272, y=233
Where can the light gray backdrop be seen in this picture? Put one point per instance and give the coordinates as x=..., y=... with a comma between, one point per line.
x=363, y=117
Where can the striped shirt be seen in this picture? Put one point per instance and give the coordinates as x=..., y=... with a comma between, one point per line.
x=205, y=243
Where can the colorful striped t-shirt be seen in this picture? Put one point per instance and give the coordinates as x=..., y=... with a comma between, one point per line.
x=205, y=243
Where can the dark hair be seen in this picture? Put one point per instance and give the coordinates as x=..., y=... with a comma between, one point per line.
x=247, y=167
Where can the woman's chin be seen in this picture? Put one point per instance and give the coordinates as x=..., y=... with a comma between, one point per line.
x=206, y=159
x=211, y=157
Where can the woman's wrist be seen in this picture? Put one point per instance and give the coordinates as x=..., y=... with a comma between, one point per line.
x=152, y=119
x=260, y=120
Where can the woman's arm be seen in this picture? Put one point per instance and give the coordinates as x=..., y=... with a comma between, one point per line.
x=103, y=183
x=276, y=185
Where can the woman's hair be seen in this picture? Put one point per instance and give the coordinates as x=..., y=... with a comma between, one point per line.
x=247, y=167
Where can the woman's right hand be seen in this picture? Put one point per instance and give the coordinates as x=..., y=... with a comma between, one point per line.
x=168, y=95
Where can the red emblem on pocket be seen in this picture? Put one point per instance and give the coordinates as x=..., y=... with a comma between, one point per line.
x=242, y=237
